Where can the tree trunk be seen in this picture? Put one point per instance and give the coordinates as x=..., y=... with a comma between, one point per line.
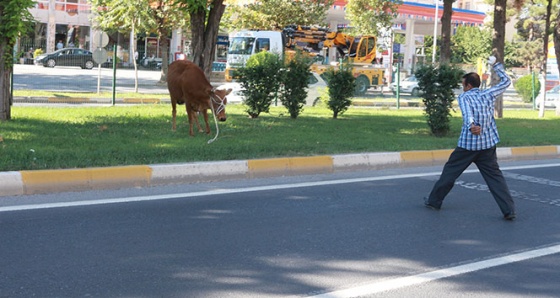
x=5, y=94
x=164, y=46
x=556, y=39
x=545, y=51
x=5, y=86
x=197, y=30
x=204, y=36
x=445, y=54
x=498, y=45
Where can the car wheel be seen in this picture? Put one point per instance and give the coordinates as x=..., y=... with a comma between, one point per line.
x=415, y=92
x=51, y=63
x=88, y=65
x=362, y=84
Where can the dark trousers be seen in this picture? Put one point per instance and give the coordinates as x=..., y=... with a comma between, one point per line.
x=487, y=163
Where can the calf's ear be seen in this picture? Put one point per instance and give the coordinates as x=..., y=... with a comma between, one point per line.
x=228, y=91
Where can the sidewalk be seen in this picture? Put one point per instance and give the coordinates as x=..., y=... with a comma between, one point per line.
x=52, y=181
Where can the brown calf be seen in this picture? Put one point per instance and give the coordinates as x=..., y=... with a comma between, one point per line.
x=188, y=85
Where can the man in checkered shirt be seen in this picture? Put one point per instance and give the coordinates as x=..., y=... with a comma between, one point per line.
x=477, y=142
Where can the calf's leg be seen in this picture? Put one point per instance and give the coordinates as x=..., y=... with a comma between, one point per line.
x=205, y=115
x=191, y=114
x=174, y=114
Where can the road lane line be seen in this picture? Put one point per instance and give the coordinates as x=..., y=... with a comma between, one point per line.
x=397, y=283
x=239, y=190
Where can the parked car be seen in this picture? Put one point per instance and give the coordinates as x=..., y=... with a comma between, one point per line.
x=315, y=89
x=67, y=57
x=408, y=85
x=552, y=98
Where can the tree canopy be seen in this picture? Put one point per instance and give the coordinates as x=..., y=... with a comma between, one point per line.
x=276, y=14
x=369, y=16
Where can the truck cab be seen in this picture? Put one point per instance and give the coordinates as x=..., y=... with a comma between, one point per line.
x=243, y=44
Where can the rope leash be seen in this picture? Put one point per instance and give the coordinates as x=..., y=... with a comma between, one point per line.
x=214, y=114
x=215, y=121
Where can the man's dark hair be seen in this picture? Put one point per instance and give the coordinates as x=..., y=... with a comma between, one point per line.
x=473, y=79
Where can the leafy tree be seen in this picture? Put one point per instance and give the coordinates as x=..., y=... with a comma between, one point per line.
x=15, y=19
x=368, y=16
x=530, y=53
x=145, y=16
x=295, y=81
x=511, y=55
x=341, y=84
x=126, y=16
x=167, y=16
x=438, y=84
x=469, y=44
x=260, y=81
x=276, y=14
x=531, y=30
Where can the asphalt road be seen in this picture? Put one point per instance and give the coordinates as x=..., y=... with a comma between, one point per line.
x=75, y=79
x=354, y=234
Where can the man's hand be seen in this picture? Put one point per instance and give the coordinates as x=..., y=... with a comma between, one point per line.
x=475, y=129
x=491, y=61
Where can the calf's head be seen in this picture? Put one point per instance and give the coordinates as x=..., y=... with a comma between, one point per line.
x=219, y=100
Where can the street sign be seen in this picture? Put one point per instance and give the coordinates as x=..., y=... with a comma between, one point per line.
x=100, y=39
x=100, y=55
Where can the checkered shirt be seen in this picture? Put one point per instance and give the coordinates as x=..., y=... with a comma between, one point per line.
x=477, y=106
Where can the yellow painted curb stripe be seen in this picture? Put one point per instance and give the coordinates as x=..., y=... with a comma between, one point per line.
x=534, y=151
x=140, y=100
x=81, y=179
x=68, y=99
x=290, y=165
x=425, y=156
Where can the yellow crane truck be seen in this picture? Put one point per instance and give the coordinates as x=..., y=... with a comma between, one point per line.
x=360, y=51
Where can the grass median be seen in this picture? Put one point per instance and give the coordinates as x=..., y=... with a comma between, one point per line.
x=78, y=137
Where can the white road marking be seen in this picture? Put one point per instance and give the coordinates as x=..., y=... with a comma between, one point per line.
x=407, y=281
x=238, y=190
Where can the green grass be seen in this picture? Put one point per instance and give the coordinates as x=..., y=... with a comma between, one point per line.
x=76, y=137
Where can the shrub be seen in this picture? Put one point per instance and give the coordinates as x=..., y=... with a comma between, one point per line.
x=524, y=87
x=260, y=80
x=341, y=88
x=437, y=84
x=295, y=81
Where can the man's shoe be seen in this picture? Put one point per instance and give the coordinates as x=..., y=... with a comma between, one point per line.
x=510, y=216
x=428, y=205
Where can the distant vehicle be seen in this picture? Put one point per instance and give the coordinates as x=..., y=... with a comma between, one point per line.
x=408, y=85
x=67, y=57
x=359, y=51
x=552, y=98
x=315, y=89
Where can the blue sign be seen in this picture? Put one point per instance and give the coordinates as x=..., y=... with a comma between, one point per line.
x=223, y=40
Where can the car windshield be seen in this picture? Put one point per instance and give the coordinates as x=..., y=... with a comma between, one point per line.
x=411, y=79
x=241, y=45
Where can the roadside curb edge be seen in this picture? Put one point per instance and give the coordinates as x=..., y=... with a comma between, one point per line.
x=15, y=183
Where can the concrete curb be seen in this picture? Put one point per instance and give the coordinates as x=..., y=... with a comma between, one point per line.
x=52, y=181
